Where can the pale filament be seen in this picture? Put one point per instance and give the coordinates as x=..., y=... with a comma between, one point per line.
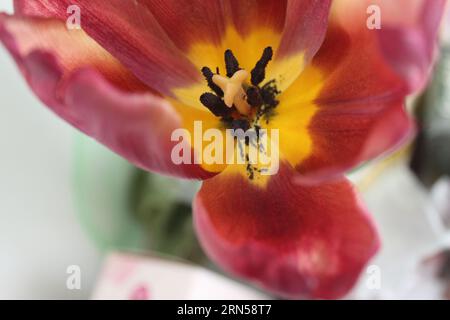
x=233, y=90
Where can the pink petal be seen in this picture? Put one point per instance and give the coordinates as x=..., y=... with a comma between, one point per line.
x=131, y=33
x=408, y=34
x=88, y=88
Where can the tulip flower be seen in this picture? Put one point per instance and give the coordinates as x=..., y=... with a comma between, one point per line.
x=136, y=71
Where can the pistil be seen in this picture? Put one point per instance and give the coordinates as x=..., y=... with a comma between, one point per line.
x=234, y=93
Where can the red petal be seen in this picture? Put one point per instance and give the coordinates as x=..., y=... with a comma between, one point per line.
x=305, y=27
x=304, y=30
x=75, y=77
x=295, y=241
x=189, y=21
x=247, y=15
x=408, y=34
x=302, y=22
x=361, y=111
x=130, y=32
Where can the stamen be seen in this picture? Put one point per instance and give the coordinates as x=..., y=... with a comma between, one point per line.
x=235, y=101
x=231, y=63
x=208, y=74
x=254, y=97
x=259, y=72
x=215, y=104
x=269, y=92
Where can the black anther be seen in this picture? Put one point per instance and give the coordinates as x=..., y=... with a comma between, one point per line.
x=231, y=63
x=207, y=73
x=215, y=104
x=259, y=72
x=254, y=98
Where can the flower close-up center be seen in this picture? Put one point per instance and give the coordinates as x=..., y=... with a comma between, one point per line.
x=281, y=112
x=239, y=98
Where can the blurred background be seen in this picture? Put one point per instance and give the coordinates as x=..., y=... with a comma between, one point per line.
x=67, y=202
x=40, y=235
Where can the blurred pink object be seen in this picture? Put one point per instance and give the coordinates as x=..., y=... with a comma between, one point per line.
x=127, y=276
